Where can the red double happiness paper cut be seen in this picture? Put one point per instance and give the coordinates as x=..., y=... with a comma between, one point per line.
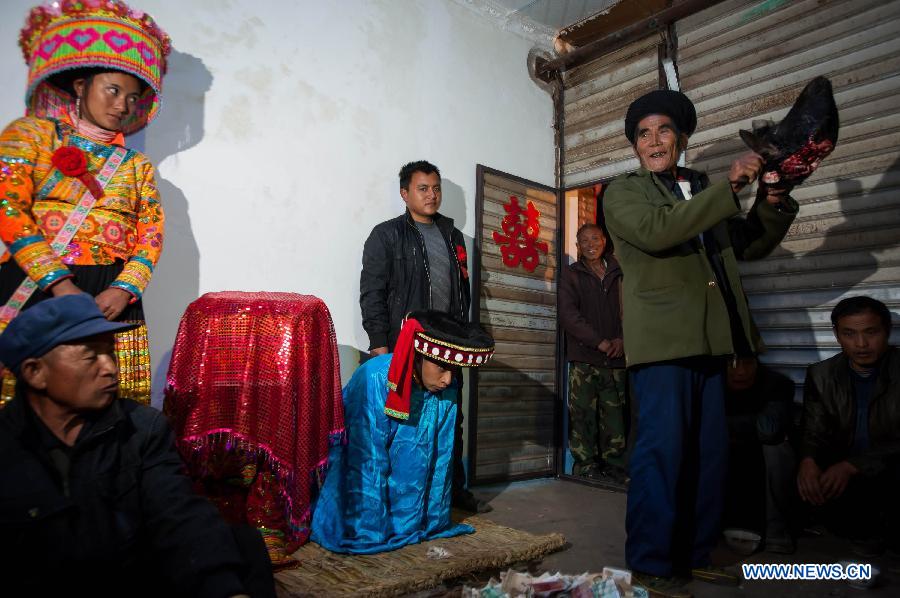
x=519, y=242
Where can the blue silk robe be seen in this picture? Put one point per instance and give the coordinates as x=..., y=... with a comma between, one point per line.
x=389, y=485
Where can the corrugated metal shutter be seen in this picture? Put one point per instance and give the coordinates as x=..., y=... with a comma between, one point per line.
x=597, y=94
x=742, y=60
x=514, y=402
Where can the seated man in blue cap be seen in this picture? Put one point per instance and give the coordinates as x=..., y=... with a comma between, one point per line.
x=93, y=498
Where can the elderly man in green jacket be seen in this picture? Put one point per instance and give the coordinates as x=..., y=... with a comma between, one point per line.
x=678, y=238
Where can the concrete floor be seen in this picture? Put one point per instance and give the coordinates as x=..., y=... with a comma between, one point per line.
x=593, y=521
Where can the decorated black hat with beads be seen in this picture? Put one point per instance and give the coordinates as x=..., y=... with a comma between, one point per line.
x=436, y=336
x=447, y=340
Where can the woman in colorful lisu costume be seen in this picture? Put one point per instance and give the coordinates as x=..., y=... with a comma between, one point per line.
x=78, y=211
x=389, y=485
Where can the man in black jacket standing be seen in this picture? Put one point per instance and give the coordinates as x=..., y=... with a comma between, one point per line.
x=93, y=496
x=412, y=262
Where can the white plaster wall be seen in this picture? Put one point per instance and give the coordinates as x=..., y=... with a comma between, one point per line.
x=284, y=125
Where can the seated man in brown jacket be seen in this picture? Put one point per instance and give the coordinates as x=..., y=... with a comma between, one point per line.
x=850, y=446
x=590, y=311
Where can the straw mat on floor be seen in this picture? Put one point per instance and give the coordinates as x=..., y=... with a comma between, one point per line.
x=399, y=572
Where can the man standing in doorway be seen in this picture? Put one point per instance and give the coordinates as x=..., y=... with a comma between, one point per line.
x=413, y=262
x=590, y=311
x=678, y=239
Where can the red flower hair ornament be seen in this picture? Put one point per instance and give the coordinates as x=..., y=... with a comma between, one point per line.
x=72, y=162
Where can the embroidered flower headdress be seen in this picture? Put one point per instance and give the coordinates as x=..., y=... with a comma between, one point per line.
x=76, y=34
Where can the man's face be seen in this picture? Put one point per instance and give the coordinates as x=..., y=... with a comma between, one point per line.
x=657, y=144
x=436, y=376
x=81, y=375
x=862, y=338
x=741, y=374
x=423, y=198
x=591, y=243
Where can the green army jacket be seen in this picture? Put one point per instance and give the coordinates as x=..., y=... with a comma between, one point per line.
x=672, y=305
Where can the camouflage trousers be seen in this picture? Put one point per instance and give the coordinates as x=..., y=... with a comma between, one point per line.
x=596, y=415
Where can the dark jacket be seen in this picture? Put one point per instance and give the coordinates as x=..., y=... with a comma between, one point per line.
x=673, y=307
x=124, y=520
x=829, y=414
x=395, y=278
x=590, y=311
x=762, y=413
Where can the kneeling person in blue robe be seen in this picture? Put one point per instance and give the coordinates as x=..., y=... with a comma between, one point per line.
x=389, y=485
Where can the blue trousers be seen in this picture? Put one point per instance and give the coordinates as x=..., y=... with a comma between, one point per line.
x=677, y=465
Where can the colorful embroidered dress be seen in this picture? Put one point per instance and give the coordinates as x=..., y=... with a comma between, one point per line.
x=123, y=231
x=118, y=242
x=389, y=485
x=126, y=224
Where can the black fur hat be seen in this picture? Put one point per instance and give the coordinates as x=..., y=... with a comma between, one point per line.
x=673, y=104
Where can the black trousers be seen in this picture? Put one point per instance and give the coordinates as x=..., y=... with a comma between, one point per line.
x=459, y=471
x=868, y=508
x=760, y=487
x=255, y=573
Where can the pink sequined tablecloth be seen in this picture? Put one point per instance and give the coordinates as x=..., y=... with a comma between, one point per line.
x=253, y=394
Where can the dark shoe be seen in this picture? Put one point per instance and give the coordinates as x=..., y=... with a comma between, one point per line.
x=867, y=547
x=587, y=470
x=466, y=501
x=661, y=587
x=716, y=576
x=615, y=475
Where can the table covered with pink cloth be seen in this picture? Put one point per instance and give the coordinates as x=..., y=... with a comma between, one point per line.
x=253, y=394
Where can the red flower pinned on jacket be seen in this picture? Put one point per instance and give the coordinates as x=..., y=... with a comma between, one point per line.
x=72, y=162
x=461, y=257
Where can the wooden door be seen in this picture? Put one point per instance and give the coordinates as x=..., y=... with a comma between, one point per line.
x=514, y=411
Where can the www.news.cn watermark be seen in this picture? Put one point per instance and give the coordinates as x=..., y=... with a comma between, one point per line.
x=808, y=571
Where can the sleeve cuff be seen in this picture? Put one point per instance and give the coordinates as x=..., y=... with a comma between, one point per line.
x=51, y=279
x=866, y=466
x=377, y=340
x=134, y=277
x=38, y=261
x=788, y=205
x=128, y=288
x=804, y=452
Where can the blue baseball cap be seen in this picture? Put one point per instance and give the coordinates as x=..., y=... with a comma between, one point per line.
x=53, y=322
